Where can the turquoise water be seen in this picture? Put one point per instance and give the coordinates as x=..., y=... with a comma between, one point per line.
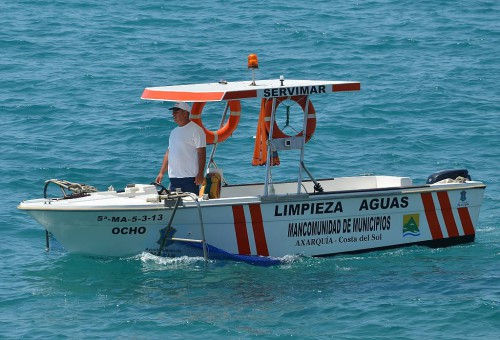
x=72, y=74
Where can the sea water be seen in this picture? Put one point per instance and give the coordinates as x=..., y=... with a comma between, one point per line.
x=71, y=76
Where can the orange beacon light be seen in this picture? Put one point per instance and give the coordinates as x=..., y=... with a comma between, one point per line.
x=253, y=62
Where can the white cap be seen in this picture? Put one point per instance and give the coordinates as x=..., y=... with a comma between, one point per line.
x=181, y=105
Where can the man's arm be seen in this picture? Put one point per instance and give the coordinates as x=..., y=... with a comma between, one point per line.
x=164, y=167
x=202, y=156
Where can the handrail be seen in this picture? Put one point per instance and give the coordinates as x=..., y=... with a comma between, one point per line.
x=169, y=225
x=178, y=196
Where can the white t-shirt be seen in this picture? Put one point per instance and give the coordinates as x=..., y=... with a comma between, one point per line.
x=182, y=154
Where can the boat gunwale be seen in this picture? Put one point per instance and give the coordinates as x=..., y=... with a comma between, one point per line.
x=238, y=200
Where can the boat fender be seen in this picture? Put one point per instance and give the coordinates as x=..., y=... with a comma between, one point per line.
x=448, y=174
x=224, y=132
x=301, y=100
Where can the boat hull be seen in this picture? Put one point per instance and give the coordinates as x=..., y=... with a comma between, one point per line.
x=276, y=225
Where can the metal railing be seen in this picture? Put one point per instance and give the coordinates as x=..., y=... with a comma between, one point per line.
x=178, y=196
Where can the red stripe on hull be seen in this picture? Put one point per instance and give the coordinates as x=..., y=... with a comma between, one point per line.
x=430, y=214
x=240, y=228
x=449, y=220
x=258, y=230
x=466, y=221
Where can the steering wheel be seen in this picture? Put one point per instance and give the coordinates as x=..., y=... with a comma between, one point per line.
x=163, y=190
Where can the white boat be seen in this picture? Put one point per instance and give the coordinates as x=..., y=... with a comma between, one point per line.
x=262, y=222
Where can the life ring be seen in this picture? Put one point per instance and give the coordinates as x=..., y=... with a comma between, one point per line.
x=301, y=100
x=224, y=132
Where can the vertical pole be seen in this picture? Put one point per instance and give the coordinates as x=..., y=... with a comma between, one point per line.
x=304, y=136
x=214, y=147
x=212, y=154
x=269, y=149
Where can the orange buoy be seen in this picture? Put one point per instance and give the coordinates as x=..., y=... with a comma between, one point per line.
x=224, y=132
x=301, y=100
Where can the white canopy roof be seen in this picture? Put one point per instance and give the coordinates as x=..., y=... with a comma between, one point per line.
x=245, y=90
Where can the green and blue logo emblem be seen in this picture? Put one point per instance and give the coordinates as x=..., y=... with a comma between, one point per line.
x=411, y=225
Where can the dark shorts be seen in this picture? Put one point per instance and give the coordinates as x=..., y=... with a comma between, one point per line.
x=186, y=184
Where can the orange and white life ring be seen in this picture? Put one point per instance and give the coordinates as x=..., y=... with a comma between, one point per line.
x=301, y=100
x=224, y=132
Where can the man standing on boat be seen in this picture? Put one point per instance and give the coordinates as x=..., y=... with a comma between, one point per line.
x=186, y=154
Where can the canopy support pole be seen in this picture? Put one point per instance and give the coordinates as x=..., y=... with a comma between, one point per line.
x=304, y=136
x=214, y=147
x=269, y=151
